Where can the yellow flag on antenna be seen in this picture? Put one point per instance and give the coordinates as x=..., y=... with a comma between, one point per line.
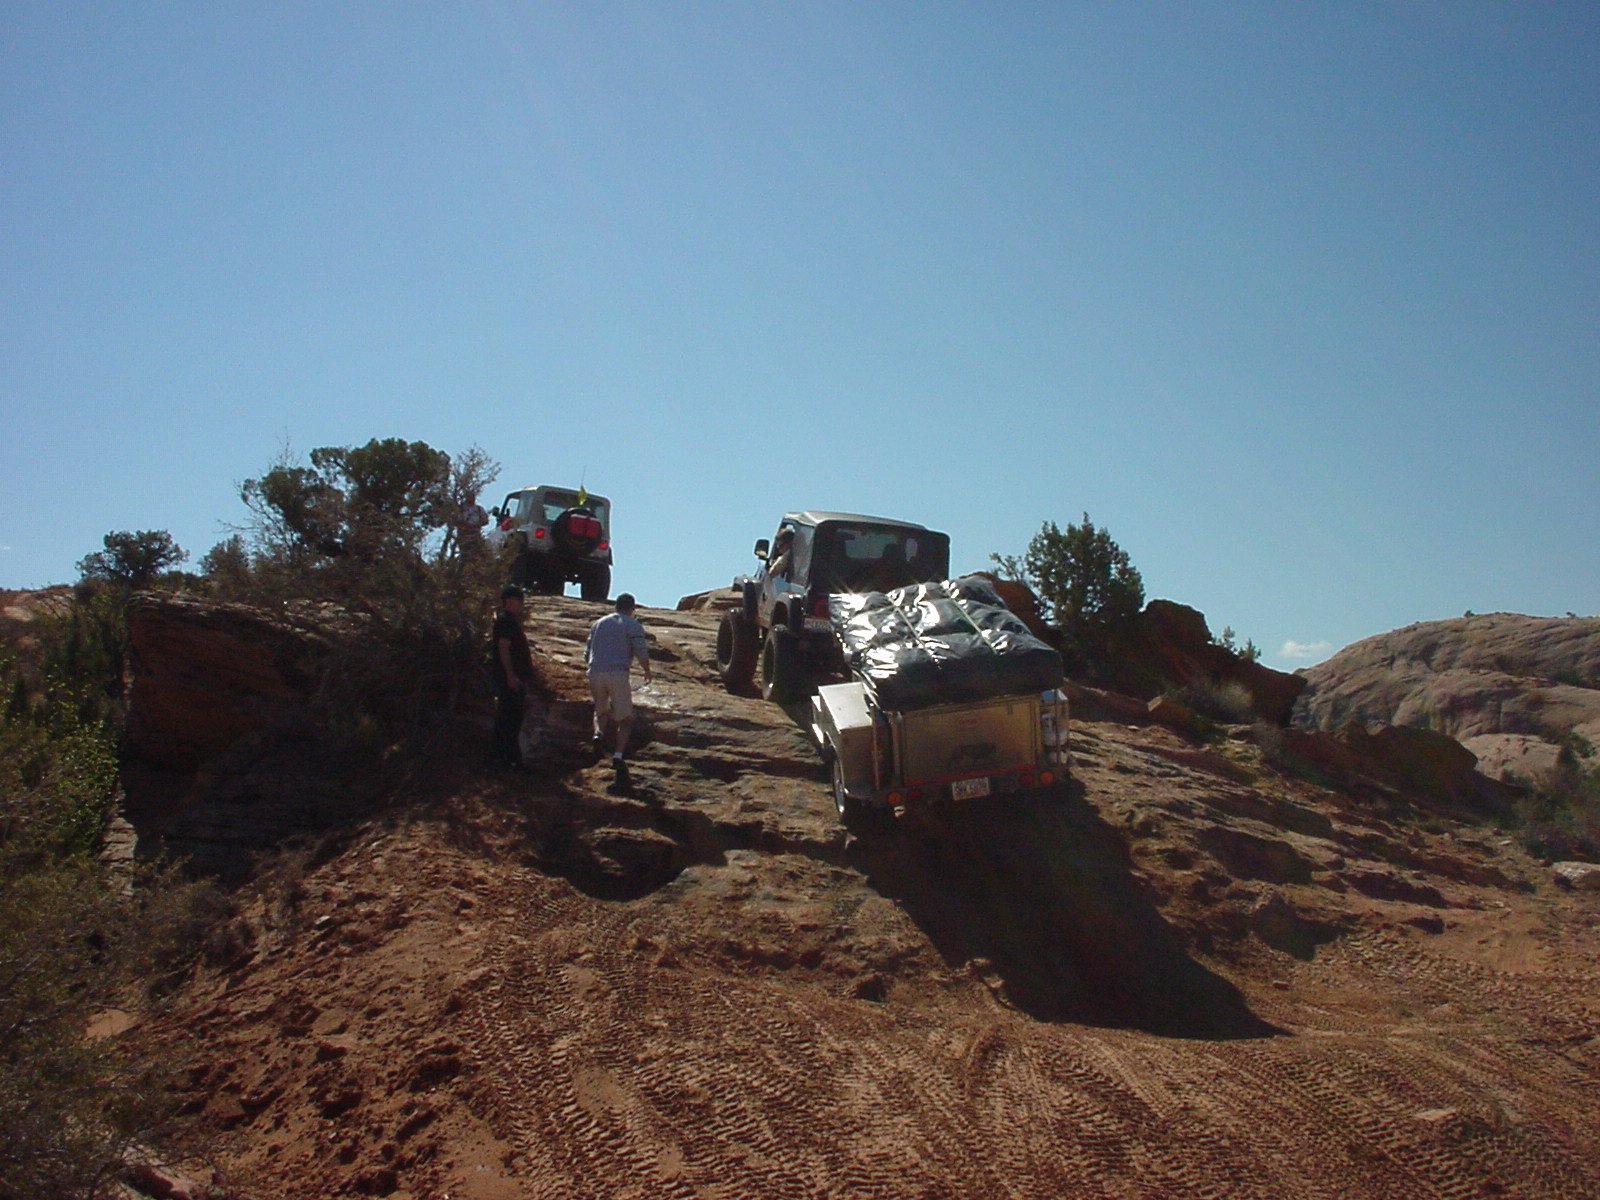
x=583, y=494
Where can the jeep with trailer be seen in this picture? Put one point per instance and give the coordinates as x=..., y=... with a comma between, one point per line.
x=554, y=536
x=950, y=699
x=780, y=634
x=940, y=692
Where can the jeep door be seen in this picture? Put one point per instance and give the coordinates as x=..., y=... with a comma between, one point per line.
x=790, y=576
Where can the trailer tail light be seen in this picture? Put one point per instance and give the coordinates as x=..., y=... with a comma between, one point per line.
x=539, y=533
x=1047, y=777
x=895, y=799
x=603, y=546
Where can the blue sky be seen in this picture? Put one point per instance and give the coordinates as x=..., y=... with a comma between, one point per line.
x=1300, y=301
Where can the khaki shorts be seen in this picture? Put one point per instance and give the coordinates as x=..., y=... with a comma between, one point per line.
x=613, y=697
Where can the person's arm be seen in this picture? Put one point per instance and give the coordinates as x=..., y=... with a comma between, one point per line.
x=641, y=650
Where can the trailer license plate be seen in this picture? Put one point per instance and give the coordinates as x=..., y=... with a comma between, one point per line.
x=969, y=789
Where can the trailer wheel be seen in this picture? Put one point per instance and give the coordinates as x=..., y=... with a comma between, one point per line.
x=736, y=652
x=858, y=816
x=783, y=671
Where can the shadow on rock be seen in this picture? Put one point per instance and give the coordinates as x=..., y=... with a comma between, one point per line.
x=620, y=845
x=1043, y=891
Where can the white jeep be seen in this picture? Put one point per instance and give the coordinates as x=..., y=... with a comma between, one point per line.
x=555, y=535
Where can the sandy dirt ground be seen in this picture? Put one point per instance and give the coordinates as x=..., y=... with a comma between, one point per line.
x=1181, y=975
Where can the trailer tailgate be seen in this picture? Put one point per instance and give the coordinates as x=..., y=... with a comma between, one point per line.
x=958, y=741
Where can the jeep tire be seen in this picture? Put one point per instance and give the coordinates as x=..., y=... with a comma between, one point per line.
x=566, y=540
x=783, y=669
x=737, y=650
x=596, y=582
x=522, y=568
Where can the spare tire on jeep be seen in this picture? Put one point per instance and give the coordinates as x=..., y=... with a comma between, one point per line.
x=577, y=531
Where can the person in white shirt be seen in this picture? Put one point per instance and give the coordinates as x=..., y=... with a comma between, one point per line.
x=615, y=642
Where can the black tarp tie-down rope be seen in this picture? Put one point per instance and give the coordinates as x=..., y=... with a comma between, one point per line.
x=905, y=604
x=983, y=634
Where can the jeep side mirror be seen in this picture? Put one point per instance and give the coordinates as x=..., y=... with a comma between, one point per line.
x=762, y=548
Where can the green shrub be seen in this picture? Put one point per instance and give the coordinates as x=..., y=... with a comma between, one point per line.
x=1559, y=818
x=1250, y=652
x=1086, y=586
x=226, y=567
x=84, y=654
x=57, y=783
x=387, y=498
x=367, y=530
x=133, y=560
x=74, y=940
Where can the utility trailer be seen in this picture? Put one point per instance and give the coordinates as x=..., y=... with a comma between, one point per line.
x=951, y=698
x=884, y=760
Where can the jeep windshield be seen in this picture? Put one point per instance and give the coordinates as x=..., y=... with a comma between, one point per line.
x=875, y=558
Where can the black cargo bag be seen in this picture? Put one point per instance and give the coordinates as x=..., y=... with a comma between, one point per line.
x=940, y=643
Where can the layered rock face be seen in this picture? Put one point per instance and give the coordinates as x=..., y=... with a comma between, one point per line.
x=206, y=674
x=1510, y=688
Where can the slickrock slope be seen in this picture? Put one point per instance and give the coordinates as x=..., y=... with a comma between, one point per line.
x=1186, y=974
x=1508, y=687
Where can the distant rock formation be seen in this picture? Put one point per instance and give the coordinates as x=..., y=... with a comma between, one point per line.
x=1508, y=687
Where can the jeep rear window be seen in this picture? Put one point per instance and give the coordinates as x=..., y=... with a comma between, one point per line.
x=556, y=503
x=863, y=558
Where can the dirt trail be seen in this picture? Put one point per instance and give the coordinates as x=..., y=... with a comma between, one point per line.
x=1183, y=975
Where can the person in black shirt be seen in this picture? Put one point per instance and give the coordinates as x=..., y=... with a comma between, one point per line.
x=513, y=667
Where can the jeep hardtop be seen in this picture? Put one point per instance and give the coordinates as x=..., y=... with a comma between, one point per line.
x=780, y=633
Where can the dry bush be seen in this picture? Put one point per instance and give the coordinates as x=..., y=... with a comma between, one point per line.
x=1228, y=702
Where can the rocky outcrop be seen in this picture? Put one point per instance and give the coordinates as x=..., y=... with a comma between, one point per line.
x=1418, y=761
x=1416, y=766
x=717, y=598
x=206, y=674
x=1170, y=646
x=1510, y=688
x=1581, y=876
